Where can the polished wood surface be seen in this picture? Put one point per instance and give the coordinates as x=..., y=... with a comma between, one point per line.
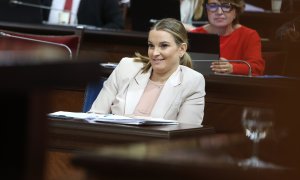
x=58, y=166
x=25, y=86
x=113, y=45
x=228, y=95
x=57, y=73
x=208, y=157
x=66, y=99
x=77, y=135
x=23, y=130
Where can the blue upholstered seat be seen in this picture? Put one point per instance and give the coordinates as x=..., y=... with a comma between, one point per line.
x=91, y=92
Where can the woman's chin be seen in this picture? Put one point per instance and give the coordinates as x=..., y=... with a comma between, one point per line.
x=158, y=67
x=157, y=63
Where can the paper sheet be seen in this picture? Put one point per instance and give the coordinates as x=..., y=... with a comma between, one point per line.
x=111, y=118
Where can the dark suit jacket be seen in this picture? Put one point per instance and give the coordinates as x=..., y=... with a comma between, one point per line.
x=100, y=13
x=290, y=6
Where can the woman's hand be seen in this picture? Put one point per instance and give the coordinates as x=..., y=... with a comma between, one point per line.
x=221, y=66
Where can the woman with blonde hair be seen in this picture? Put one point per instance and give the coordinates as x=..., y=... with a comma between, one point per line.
x=160, y=85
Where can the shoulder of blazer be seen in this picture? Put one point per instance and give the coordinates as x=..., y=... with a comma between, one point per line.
x=127, y=67
x=193, y=79
x=190, y=72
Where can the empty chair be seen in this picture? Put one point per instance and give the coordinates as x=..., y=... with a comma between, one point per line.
x=44, y=46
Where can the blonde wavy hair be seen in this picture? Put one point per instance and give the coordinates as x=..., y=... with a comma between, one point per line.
x=178, y=31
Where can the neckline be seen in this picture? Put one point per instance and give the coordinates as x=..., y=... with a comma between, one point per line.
x=157, y=84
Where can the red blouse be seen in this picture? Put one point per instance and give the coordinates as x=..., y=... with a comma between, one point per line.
x=242, y=44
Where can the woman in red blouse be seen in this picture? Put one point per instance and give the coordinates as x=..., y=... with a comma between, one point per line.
x=237, y=42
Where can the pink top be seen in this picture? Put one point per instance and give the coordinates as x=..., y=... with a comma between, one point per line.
x=148, y=99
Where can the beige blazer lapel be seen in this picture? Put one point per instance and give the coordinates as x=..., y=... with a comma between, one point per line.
x=135, y=91
x=168, y=95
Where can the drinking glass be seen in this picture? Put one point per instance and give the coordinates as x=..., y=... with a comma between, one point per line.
x=257, y=123
x=276, y=5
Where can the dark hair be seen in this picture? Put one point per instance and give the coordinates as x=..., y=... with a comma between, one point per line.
x=289, y=31
x=178, y=31
x=239, y=6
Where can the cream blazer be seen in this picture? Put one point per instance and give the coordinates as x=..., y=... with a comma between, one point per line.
x=182, y=97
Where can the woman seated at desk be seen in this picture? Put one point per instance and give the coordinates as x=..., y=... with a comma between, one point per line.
x=237, y=42
x=161, y=85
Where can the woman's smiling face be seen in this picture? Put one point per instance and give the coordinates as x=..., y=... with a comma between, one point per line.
x=163, y=51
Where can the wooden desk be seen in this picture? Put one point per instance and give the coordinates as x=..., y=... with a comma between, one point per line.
x=208, y=157
x=69, y=136
x=103, y=44
x=111, y=45
x=228, y=95
x=80, y=135
x=25, y=85
x=225, y=97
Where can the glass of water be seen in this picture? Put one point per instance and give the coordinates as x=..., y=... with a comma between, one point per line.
x=257, y=123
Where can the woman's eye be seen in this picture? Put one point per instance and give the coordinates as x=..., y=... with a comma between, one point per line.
x=164, y=45
x=150, y=46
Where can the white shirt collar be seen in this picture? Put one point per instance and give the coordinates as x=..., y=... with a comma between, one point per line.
x=56, y=13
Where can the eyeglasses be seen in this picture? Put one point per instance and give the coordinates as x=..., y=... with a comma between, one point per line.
x=226, y=7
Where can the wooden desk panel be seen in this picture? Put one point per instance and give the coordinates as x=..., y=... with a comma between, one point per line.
x=227, y=96
x=59, y=167
x=80, y=135
x=39, y=29
x=24, y=100
x=69, y=136
x=66, y=100
x=207, y=157
x=111, y=45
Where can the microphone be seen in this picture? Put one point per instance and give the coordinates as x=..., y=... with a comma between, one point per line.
x=39, y=41
x=238, y=61
x=31, y=5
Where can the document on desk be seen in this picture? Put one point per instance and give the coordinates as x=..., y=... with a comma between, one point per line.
x=111, y=118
